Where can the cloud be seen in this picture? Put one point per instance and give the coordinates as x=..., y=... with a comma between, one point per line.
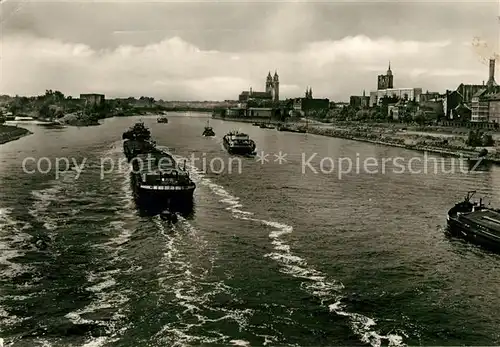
x=175, y=69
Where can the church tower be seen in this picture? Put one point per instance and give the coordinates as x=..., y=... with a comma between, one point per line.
x=390, y=78
x=269, y=83
x=276, y=87
x=386, y=81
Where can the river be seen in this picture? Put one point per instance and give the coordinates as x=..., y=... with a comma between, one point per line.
x=288, y=252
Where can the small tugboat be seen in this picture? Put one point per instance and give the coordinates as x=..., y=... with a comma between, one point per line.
x=208, y=131
x=238, y=143
x=475, y=222
x=162, y=119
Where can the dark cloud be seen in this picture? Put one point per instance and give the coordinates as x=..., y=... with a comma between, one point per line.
x=163, y=49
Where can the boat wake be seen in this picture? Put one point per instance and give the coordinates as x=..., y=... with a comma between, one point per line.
x=63, y=207
x=192, y=291
x=330, y=292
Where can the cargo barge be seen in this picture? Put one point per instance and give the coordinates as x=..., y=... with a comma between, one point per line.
x=475, y=222
x=238, y=143
x=157, y=179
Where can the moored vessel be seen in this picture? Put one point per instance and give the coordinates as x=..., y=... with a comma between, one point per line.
x=475, y=222
x=238, y=143
x=282, y=127
x=162, y=119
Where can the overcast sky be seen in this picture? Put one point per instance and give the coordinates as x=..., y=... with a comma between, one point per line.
x=213, y=50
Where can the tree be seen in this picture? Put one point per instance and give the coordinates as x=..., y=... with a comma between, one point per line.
x=420, y=117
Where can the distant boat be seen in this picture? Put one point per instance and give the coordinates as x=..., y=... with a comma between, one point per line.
x=208, y=131
x=162, y=119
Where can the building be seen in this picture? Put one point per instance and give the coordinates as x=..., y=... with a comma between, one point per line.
x=308, y=103
x=494, y=109
x=92, y=99
x=359, y=101
x=430, y=96
x=272, y=92
x=260, y=112
x=386, y=81
x=461, y=113
x=451, y=100
x=385, y=88
x=482, y=98
x=401, y=93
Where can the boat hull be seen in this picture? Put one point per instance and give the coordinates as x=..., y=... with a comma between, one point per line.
x=161, y=195
x=471, y=234
x=243, y=150
x=238, y=150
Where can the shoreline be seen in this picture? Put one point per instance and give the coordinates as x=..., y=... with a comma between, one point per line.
x=9, y=133
x=467, y=154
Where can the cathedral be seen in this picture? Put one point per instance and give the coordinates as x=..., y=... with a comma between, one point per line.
x=272, y=92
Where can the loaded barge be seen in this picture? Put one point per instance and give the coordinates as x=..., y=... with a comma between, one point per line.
x=156, y=177
x=475, y=222
x=238, y=143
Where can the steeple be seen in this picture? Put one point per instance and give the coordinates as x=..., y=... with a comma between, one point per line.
x=269, y=77
x=389, y=72
x=276, y=77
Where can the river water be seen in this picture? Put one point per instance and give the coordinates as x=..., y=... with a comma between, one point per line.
x=274, y=253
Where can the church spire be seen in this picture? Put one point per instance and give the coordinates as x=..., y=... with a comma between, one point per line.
x=389, y=71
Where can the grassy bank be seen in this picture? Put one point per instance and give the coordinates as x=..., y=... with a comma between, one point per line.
x=10, y=133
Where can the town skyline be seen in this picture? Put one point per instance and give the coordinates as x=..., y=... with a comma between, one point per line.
x=209, y=51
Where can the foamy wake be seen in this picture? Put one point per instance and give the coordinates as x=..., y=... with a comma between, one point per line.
x=316, y=283
x=12, y=238
x=42, y=200
x=193, y=294
x=103, y=284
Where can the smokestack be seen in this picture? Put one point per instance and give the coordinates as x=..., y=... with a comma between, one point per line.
x=491, y=79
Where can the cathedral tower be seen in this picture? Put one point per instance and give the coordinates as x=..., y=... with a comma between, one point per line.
x=269, y=83
x=276, y=87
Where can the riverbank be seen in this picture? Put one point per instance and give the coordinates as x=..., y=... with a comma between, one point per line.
x=431, y=140
x=296, y=121
x=449, y=146
x=11, y=133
